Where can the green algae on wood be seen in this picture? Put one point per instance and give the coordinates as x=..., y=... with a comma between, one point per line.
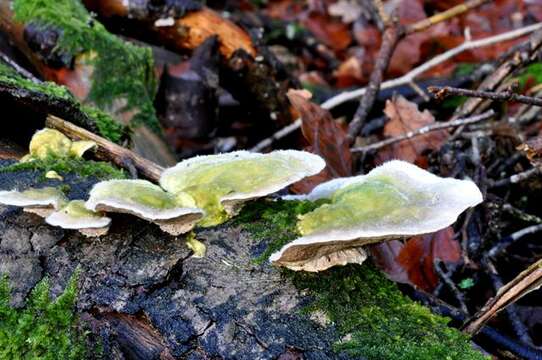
x=122, y=72
x=373, y=319
x=220, y=184
x=45, y=328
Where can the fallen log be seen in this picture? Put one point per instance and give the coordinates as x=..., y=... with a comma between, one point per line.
x=143, y=296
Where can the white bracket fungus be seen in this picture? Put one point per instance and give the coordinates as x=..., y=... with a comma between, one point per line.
x=393, y=201
x=220, y=184
x=175, y=214
x=74, y=215
x=42, y=201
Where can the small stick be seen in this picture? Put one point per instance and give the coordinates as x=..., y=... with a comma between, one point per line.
x=19, y=69
x=525, y=282
x=106, y=149
x=510, y=239
x=346, y=96
x=446, y=278
x=443, y=16
x=425, y=130
x=514, y=179
x=442, y=92
x=391, y=37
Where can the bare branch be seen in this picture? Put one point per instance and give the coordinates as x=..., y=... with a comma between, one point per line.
x=425, y=130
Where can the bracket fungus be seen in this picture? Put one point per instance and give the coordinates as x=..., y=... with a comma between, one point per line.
x=40, y=201
x=74, y=215
x=393, y=201
x=174, y=213
x=47, y=142
x=221, y=184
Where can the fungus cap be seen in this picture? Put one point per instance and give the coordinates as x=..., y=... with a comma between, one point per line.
x=74, y=215
x=175, y=214
x=36, y=200
x=221, y=183
x=52, y=142
x=395, y=200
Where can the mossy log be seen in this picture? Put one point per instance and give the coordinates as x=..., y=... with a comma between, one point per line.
x=144, y=296
x=250, y=72
x=66, y=45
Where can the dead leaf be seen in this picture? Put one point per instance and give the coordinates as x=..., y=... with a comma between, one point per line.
x=404, y=117
x=325, y=137
x=329, y=31
x=418, y=256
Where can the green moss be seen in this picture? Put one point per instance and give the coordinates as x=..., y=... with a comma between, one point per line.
x=274, y=221
x=373, y=318
x=45, y=328
x=11, y=77
x=532, y=72
x=376, y=321
x=81, y=167
x=122, y=71
x=107, y=127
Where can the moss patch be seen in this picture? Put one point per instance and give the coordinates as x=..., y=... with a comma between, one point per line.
x=85, y=168
x=373, y=318
x=122, y=71
x=107, y=127
x=273, y=221
x=45, y=328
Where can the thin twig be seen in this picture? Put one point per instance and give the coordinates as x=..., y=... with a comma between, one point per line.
x=512, y=238
x=527, y=281
x=425, y=130
x=516, y=178
x=443, y=16
x=446, y=278
x=405, y=79
x=19, y=69
x=442, y=92
x=390, y=38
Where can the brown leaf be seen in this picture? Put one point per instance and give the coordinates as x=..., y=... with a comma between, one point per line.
x=325, y=137
x=385, y=257
x=419, y=253
x=404, y=117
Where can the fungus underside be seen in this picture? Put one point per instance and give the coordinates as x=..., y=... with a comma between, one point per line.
x=44, y=328
x=121, y=70
x=107, y=127
x=367, y=309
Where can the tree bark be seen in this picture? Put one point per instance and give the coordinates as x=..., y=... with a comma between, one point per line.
x=147, y=298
